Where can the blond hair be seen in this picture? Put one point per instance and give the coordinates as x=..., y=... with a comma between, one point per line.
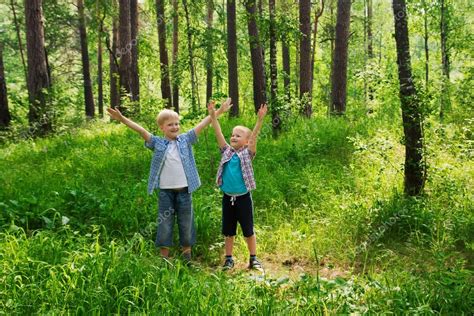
x=245, y=129
x=164, y=115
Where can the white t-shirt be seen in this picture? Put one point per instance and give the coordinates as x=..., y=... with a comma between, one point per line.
x=172, y=173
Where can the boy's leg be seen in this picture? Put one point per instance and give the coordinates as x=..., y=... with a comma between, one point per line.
x=166, y=214
x=229, y=224
x=252, y=244
x=229, y=245
x=245, y=215
x=187, y=231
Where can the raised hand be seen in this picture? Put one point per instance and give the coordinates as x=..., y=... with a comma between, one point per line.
x=211, y=108
x=115, y=114
x=226, y=105
x=262, y=111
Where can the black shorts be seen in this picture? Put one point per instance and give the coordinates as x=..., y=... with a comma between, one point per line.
x=241, y=211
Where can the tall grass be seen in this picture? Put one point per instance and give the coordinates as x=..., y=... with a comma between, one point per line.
x=78, y=227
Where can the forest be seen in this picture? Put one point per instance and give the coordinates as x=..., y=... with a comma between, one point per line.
x=364, y=199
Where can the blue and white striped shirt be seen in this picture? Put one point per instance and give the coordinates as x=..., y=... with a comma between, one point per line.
x=159, y=145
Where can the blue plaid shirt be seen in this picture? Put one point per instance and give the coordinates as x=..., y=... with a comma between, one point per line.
x=159, y=145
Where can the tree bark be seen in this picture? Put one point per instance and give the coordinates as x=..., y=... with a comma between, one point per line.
x=317, y=15
x=414, y=166
x=86, y=75
x=426, y=38
x=100, y=85
x=285, y=52
x=339, y=69
x=232, y=58
x=5, y=116
x=125, y=48
x=18, y=35
x=276, y=121
x=134, y=72
x=258, y=66
x=39, y=114
x=305, y=57
x=210, y=49
x=175, y=74
x=165, y=79
x=194, y=95
x=445, y=95
x=114, y=67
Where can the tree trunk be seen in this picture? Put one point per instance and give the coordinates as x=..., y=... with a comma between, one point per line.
x=317, y=15
x=194, y=103
x=258, y=66
x=426, y=38
x=86, y=75
x=165, y=79
x=5, y=116
x=414, y=166
x=370, y=41
x=125, y=48
x=114, y=67
x=175, y=69
x=210, y=49
x=18, y=35
x=305, y=57
x=339, y=69
x=445, y=95
x=232, y=58
x=100, y=86
x=39, y=114
x=285, y=56
x=134, y=73
x=276, y=122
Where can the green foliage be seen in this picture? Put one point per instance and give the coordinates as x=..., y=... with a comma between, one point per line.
x=78, y=226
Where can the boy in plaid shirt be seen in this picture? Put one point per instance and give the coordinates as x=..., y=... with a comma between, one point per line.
x=236, y=179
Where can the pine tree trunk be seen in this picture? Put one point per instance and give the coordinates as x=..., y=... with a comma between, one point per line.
x=232, y=58
x=175, y=82
x=258, y=66
x=414, y=165
x=86, y=75
x=18, y=35
x=125, y=48
x=5, y=116
x=285, y=56
x=339, y=69
x=114, y=67
x=426, y=38
x=445, y=95
x=194, y=101
x=305, y=57
x=100, y=84
x=276, y=121
x=317, y=15
x=134, y=73
x=39, y=114
x=165, y=79
x=210, y=49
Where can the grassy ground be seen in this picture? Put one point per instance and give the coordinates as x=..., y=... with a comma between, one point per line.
x=334, y=231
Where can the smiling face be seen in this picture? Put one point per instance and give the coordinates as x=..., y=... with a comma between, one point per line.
x=240, y=137
x=170, y=128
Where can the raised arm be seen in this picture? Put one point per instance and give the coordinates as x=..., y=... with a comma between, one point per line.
x=256, y=130
x=226, y=105
x=215, y=124
x=116, y=115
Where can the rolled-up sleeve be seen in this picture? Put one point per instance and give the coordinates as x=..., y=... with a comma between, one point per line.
x=151, y=144
x=191, y=137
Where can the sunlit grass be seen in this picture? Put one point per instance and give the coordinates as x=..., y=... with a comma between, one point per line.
x=78, y=226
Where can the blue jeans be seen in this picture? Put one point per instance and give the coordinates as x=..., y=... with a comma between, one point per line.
x=173, y=204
